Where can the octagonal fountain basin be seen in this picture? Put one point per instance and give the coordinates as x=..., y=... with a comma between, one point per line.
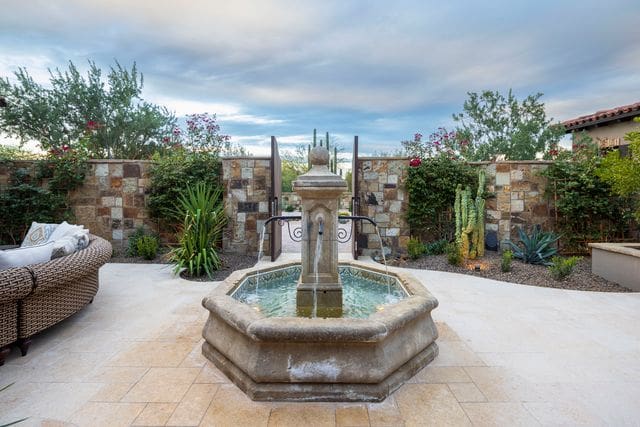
x=385, y=336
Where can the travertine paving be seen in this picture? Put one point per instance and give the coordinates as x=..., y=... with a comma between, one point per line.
x=509, y=355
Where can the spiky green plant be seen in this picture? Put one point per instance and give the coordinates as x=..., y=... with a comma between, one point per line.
x=202, y=208
x=470, y=219
x=535, y=248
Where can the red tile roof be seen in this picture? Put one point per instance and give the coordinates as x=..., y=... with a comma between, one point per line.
x=603, y=116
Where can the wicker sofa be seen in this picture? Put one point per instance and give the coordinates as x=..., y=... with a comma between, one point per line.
x=40, y=295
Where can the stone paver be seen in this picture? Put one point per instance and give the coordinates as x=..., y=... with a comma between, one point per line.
x=509, y=355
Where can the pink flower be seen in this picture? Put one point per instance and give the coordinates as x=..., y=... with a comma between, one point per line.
x=415, y=162
x=65, y=147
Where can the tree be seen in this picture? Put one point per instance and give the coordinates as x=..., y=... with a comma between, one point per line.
x=110, y=117
x=623, y=173
x=492, y=125
x=294, y=163
x=440, y=143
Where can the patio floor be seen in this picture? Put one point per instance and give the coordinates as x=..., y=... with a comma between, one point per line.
x=509, y=355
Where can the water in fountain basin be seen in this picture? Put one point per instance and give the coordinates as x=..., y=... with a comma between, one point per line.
x=364, y=292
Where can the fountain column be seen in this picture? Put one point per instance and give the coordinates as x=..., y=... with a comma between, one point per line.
x=319, y=289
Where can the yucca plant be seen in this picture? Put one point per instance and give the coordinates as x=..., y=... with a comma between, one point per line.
x=536, y=248
x=202, y=210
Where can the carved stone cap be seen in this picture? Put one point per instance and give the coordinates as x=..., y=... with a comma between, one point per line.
x=319, y=156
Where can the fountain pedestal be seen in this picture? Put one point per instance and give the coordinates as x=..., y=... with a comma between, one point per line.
x=319, y=290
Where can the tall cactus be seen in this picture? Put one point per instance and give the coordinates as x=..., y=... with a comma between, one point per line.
x=470, y=220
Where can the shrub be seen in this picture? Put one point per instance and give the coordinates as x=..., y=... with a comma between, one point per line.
x=132, y=249
x=453, y=254
x=170, y=176
x=623, y=173
x=415, y=248
x=436, y=248
x=26, y=199
x=432, y=192
x=561, y=268
x=147, y=247
x=535, y=248
x=505, y=263
x=203, y=216
x=289, y=208
x=587, y=211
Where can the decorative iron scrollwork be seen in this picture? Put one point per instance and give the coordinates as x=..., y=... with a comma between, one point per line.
x=344, y=235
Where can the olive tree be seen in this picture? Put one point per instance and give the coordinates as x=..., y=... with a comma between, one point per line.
x=492, y=125
x=108, y=115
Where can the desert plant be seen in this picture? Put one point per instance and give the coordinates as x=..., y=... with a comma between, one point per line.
x=203, y=216
x=453, y=254
x=415, y=248
x=436, y=248
x=147, y=247
x=535, y=248
x=505, y=263
x=470, y=219
x=561, y=268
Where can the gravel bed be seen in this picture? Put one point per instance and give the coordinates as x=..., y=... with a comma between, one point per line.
x=527, y=274
x=230, y=263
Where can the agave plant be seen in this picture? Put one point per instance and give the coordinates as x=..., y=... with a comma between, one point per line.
x=536, y=248
x=203, y=216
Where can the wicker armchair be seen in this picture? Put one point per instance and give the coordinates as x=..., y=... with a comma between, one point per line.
x=15, y=284
x=62, y=287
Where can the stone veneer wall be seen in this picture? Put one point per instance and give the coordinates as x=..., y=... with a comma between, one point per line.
x=247, y=184
x=518, y=200
x=111, y=202
x=382, y=197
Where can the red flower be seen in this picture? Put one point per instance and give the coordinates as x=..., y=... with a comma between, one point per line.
x=166, y=139
x=92, y=125
x=414, y=163
x=553, y=152
x=65, y=147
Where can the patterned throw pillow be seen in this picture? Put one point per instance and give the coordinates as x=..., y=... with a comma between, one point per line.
x=38, y=234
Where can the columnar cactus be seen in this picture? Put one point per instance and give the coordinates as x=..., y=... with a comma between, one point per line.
x=470, y=220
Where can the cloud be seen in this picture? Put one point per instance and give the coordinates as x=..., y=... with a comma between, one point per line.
x=376, y=69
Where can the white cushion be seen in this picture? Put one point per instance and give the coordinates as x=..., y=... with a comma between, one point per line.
x=38, y=234
x=65, y=246
x=63, y=230
x=25, y=256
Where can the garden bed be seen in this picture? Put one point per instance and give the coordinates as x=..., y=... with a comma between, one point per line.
x=581, y=279
x=230, y=263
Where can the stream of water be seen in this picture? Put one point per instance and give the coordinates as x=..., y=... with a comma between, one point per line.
x=260, y=252
x=384, y=259
x=316, y=260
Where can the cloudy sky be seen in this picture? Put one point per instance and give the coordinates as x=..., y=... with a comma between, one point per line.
x=378, y=69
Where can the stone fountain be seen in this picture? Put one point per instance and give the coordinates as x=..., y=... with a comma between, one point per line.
x=326, y=348
x=319, y=288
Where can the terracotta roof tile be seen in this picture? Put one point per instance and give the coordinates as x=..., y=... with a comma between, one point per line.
x=584, y=121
